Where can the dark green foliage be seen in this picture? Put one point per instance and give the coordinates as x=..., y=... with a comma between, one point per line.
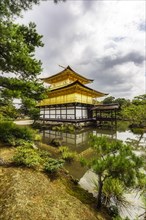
x=114, y=161
x=8, y=112
x=44, y=154
x=53, y=165
x=17, y=46
x=139, y=100
x=136, y=114
x=109, y=100
x=11, y=133
x=10, y=8
x=17, y=57
x=133, y=111
x=13, y=87
x=121, y=101
x=113, y=211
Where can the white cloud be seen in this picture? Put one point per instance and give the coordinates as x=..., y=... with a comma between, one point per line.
x=104, y=40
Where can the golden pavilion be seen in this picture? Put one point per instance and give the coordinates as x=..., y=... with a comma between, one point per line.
x=69, y=99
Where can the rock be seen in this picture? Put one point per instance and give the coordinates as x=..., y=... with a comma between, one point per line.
x=34, y=146
x=57, y=142
x=2, y=162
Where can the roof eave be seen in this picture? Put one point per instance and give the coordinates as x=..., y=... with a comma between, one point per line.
x=68, y=67
x=97, y=93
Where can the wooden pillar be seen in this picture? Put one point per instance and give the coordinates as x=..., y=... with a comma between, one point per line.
x=74, y=111
x=55, y=111
x=60, y=111
x=115, y=119
x=66, y=111
x=112, y=119
x=115, y=114
x=49, y=111
x=100, y=113
x=44, y=116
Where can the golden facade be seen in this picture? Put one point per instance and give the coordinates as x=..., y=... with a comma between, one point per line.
x=69, y=98
x=69, y=87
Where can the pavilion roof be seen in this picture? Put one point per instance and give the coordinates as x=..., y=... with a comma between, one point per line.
x=66, y=73
x=80, y=87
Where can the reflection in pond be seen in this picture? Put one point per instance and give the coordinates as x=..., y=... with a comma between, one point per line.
x=76, y=141
x=73, y=140
x=79, y=142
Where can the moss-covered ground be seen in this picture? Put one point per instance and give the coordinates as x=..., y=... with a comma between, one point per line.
x=28, y=194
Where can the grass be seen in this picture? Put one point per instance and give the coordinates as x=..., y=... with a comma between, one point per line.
x=30, y=194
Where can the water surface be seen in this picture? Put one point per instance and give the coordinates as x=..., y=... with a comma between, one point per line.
x=79, y=142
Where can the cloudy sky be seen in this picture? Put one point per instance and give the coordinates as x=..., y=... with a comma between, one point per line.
x=102, y=40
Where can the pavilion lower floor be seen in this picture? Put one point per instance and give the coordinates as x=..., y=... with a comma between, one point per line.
x=77, y=112
x=68, y=112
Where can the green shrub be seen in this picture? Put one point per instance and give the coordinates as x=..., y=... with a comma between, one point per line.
x=37, y=137
x=44, y=154
x=27, y=156
x=25, y=133
x=11, y=133
x=63, y=149
x=5, y=131
x=53, y=165
x=66, y=154
x=4, y=117
x=24, y=143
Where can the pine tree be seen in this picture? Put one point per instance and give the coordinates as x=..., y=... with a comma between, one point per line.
x=112, y=161
x=18, y=67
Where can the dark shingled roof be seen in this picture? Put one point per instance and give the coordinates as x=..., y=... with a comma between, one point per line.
x=106, y=106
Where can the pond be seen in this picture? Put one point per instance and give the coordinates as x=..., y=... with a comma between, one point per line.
x=79, y=142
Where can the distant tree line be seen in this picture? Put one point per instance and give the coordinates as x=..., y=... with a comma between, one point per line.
x=134, y=110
